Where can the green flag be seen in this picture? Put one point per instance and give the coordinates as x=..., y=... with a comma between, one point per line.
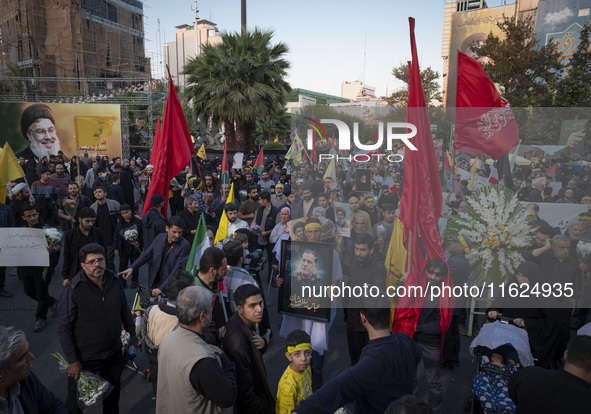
x=200, y=243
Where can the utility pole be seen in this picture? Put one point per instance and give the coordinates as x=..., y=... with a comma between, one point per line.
x=197, y=48
x=243, y=16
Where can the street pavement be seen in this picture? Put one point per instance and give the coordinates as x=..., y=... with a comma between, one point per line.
x=137, y=396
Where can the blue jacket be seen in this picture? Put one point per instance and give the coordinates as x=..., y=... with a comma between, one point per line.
x=177, y=258
x=36, y=398
x=383, y=374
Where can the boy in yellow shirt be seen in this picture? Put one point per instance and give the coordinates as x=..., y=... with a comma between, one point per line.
x=295, y=384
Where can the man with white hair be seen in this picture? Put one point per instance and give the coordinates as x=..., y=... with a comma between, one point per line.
x=194, y=376
x=20, y=389
x=282, y=227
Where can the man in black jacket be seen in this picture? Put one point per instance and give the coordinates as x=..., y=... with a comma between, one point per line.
x=128, y=248
x=85, y=233
x=36, y=279
x=153, y=221
x=365, y=268
x=92, y=311
x=567, y=390
x=244, y=348
x=266, y=218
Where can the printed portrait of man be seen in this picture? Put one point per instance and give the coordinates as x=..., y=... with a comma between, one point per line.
x=38, y=127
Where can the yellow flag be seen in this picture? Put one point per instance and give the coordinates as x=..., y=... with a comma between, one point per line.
x=276, y=138
x=201, y=152
x=223, y=228
x=10, y=169
x=473, y=172
x=93, y=129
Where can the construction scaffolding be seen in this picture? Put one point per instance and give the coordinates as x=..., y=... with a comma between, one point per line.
x=98, y=40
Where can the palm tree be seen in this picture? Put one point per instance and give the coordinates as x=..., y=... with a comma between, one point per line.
x=237, y=81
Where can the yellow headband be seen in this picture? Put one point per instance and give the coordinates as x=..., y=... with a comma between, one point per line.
x=464, y=244
x=370, y=198
x=585, y=218
x=313, y=226
x=586, y=198
x=305, y=345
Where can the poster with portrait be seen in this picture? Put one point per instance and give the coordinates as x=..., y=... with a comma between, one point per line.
x=297, y=228
x=37, y=129
x=306, y=269
x=342, y=214
x=572, y=134
x=362, y=180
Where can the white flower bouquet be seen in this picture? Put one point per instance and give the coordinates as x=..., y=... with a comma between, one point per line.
x=499, y=233
x=53, y=236
x=583, y=250
x=92, y=389
x=131, y=235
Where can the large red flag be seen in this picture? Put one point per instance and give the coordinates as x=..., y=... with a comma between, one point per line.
x=484, y=120
x=172, y=148
x=420, y=206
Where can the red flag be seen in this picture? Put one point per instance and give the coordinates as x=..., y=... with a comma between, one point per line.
x=314, y=157
x=420, y=206
x=484, y=120
x=225, y=179
x=173, y=150
x=259, y=164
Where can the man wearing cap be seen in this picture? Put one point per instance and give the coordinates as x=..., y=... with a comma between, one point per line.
x=21, y=197
x=278, y=199
x=38, y=127
x=459, y=270
x=153, y=221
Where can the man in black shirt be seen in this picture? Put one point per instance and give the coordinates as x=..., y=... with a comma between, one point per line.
x=190, y=216
x=85, y=233
x=107, y=217
x=538, y=390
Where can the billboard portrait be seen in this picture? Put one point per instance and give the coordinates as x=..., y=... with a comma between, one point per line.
x=34, y=130
x=467, y=28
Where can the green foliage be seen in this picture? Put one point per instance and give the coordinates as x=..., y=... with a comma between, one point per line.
x=431, y=87
x=575, y=87
x=277, y=125
x=274, y=146
x=237, y=81
x=528, y=73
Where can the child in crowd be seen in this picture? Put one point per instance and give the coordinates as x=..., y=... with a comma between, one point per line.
x=295, y=384
x=128, y=241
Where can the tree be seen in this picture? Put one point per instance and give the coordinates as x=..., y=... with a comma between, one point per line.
x=276, y=125
x=528, y=73
x=575, y=87
x=431, y=87
x=237, y=81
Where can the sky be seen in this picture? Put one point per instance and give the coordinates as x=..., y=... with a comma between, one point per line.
x=329, y=41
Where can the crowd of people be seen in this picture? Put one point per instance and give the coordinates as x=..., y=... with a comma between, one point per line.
x=206, y=335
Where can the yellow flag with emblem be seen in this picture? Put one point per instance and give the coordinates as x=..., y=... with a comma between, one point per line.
x=201, y=153
x=223, y=228
x=10, y=169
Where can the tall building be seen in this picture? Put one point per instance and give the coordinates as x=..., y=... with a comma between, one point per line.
x=73, y=39
x=184, y=48
x=357, y=91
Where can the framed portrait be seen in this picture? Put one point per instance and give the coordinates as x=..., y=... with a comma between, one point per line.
x=363, y=180
x=306, y=269
x=342, y=214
